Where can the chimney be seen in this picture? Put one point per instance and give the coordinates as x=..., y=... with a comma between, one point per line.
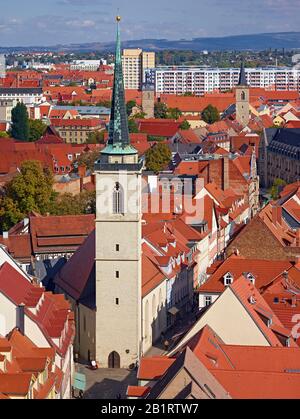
x=285, y=275
x=82, y=171
x=298, y=239
x=5, y=234
x=225, y=184
x=294, y=301
x=21, y=318
x=276, y=214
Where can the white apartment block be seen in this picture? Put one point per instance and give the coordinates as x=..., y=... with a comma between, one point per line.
x=29, y=96
x=135, y=64
x=199, y=80
x=87, y=65
x=2, y=66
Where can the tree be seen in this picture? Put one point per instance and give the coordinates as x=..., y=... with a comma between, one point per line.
x=174, y=113
x=158, y=157
x=132, y=126
x=104, y=103
x=30, y=190
x=210, y=114
x=4, y=134
x=160, y=110
x=185, y=125
x=139, y=115
x=129, y=106
x=276, y=188
x=10, y=213
x=87, y=160
x=155, y=138
x=96, y=137
x=20, y=122
x=36, y=129
x=68, y=204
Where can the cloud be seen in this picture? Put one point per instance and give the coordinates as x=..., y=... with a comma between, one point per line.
x=83, y=2
x=93, y=20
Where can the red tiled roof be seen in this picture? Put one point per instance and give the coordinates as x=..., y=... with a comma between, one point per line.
x=244, y=289
x=18, y=246
x=18, y=289
x=293, y=124
x=159, y=128
x=259, y=385
x=263, y=270
x=198, y=104
x=188, y=136
x=15, y=384
x=74, y=276
x=136, y=391
x=153, y=368
x=92, y=123
x=60, y=231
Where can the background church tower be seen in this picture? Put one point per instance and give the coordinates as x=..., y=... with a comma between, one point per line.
x=148, y=97
x=242, y=95
x=118, y=238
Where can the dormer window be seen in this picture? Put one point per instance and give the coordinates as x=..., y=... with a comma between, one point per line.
x=228, y=279
x=251, y=277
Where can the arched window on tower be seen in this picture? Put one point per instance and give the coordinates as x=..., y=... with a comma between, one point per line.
x=118, y=199
x=243, y=95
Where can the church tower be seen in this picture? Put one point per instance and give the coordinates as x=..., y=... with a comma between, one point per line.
x=254, y=186
x=118, y=238
x=148, y=97
x=242, y=95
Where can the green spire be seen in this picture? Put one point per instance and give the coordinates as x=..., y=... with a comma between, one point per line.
x=118, y=141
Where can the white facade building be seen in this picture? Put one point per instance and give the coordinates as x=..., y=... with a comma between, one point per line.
x=87, y=65
x=201, y=80
x=29, y=96
x=2, y=66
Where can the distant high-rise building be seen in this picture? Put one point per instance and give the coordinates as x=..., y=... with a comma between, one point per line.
x=135, y=63
x=2, y=66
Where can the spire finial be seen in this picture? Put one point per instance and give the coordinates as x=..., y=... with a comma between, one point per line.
x=242, y=79
x=118, y=18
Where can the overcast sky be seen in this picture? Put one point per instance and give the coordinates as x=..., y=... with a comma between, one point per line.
x=49, y=22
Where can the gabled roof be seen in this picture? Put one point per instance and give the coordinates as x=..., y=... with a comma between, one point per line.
x=254, y=306
x=15, y=384
x=18, y=289
x=189, y=365
x=198, y=104
x=263, y=270
x=244, y=290
x=260, y=385
x=80, y=269
x=60, y=233
x=154, y=367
